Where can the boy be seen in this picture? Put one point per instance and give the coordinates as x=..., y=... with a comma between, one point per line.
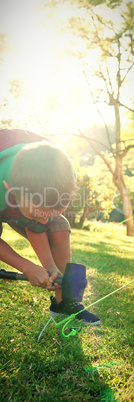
x=37, y=181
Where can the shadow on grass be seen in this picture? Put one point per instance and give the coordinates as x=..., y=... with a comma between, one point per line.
x=53, y=370
x=57, y=369
x=107, y=272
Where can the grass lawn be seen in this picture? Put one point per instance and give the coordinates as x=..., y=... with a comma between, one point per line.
x=97, y=363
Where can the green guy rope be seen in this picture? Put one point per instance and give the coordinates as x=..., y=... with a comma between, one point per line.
x=67, y=320
x=72, y=317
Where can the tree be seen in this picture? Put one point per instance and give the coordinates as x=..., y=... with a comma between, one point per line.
x=93, y=198
x=115, y=44
x=4, y=45
x=108, y=3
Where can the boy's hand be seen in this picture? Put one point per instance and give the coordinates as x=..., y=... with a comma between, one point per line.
x=40, y=244
x=53, y=272
x=38, y=276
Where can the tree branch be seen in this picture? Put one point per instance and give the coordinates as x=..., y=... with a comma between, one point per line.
x=109, y=78
x=123, y=153
x=119, y=70
x=94, y=147
x=102, y=156
x=104, y=79
x=131, y=110
x=123, y=79
x=83, y=136
x=77, y=135
x=106, y=127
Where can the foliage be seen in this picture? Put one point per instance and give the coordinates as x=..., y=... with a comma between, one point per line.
x=108, y=3
x=94, y=182
x=95, y=364
x=94, y=193
x=112, y=41
x=4, y=44
x=5, y=124
x=114, y=45
x=100, y=30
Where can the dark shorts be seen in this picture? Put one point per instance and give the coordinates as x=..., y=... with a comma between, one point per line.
x=59, y=223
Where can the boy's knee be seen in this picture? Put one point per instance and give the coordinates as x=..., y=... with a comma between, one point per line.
x=59, y=237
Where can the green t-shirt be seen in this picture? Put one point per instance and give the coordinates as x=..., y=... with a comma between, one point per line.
x=6, y=159
x=8, y=213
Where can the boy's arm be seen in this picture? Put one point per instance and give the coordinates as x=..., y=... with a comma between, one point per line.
x=40, y=244
x=36, y=274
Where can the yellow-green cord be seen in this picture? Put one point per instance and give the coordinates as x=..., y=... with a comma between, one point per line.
x=72, y=316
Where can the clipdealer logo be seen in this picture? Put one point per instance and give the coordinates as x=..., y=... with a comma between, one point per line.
x=37, y=200
x=24, y=198
x=28, y=199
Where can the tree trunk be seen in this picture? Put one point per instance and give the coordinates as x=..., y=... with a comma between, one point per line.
x=86, y=212
x=127, y=208
x=84, y=215
x=118, y=178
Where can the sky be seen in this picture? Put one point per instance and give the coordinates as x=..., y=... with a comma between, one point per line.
x=55, y=95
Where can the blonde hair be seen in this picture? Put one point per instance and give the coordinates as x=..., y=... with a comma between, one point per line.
x=45, y=171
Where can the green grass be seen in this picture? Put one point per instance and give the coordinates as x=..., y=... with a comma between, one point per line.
x=97, y=363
